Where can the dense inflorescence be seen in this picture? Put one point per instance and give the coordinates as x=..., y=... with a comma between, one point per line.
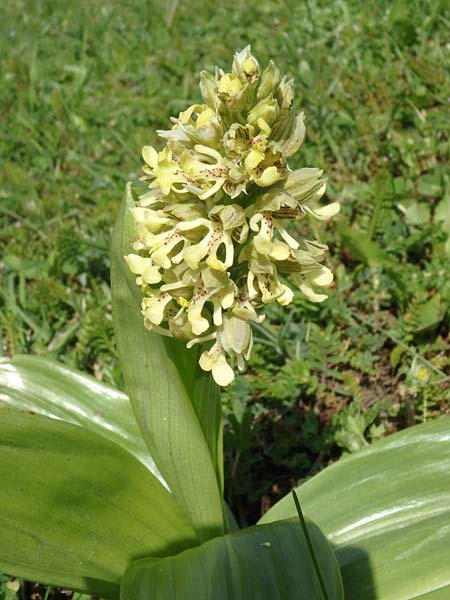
x=212, y=238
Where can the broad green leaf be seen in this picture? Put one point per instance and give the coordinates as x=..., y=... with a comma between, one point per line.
x=45, y=387
x=386, y=511
x=75, y=508
x=179, y=422
x=270, y=562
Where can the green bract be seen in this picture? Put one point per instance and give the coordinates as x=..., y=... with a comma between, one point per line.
x=211, y=239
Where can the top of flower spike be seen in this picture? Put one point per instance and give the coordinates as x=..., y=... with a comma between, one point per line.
x=212, y=232
x=243, y=134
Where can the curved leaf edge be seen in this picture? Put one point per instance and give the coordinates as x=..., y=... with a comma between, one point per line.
x=33, y=549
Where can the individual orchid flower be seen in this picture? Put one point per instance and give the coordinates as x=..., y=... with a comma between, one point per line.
x=233, y=338
x=208, y=247
x=199, y=124
x=205, y=170
x=264, y=242
x=214, y=360
x=310, y=277
x=164, y=168
x=144, y=267
x=153, y=307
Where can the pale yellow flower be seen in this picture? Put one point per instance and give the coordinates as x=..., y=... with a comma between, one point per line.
x=214, y=360
x=198, y=124
x=144, y=267
x=315, y=277
x=153, y=307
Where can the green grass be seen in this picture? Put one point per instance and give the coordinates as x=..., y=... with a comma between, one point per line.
x=85, y=85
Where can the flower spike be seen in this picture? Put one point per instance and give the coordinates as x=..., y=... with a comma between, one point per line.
x=214, y=237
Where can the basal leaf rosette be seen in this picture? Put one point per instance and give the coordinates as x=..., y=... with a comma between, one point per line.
x=213, y=245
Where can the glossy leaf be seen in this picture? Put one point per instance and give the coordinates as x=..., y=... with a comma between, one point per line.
x=442, y=594
x=75, y=508
x=386, y=511
x=270, y=562
x=179, y=422
x=45, y=387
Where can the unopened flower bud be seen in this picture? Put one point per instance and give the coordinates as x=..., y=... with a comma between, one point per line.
x=229, y=85
x=208, y=89
x=285, y=93
x=269, y=81
x=266, y=109
x=245, y=66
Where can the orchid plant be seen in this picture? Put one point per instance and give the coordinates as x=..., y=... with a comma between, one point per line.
x=121, y=495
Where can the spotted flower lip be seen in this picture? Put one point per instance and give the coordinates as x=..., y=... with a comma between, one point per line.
x=216, y=237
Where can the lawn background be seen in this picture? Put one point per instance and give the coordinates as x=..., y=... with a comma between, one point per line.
x=86, y=84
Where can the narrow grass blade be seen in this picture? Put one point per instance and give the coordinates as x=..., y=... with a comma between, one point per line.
x=310, y=546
